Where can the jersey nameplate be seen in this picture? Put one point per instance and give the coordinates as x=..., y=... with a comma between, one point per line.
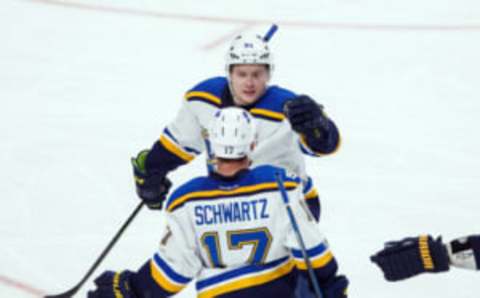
x=231, y=212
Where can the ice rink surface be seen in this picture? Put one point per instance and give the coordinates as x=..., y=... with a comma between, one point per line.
x=85, y=85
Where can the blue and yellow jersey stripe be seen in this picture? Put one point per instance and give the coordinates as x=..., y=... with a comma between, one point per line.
x=309, y=191
x=244, y=277
x=270, y=105
x=176, y=202
x=166, y=277
x=209, y=91
x=267, y=114
x=170, y=144
x=312, y=194
x=320, y=256
x=205, y=97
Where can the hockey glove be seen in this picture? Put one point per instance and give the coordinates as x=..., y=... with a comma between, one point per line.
x=411, y=256
x=336, y=288
x=465, y=252
x=112, y=285
x=153, y=187
x=307, y=117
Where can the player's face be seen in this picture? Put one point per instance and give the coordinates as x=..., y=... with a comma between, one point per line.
x=248, y=82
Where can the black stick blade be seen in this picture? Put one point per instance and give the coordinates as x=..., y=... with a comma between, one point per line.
x=67, y=294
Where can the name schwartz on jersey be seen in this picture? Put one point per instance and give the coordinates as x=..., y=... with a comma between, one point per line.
x=231, y=212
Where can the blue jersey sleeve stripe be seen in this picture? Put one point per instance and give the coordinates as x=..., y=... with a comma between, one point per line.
x=191, y=150
x=307, y=186
x=312, y=252
x=305, y=150
x=151, y=279
x=162, y=281
x=174, y=148
x=176, y=277
x=167, y=132
x=170, y=135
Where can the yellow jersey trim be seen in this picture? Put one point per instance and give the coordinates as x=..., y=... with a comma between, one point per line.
x=175, y=149
x=163, y=282
x=268, y=114
x=217, y=193
x=204, y=95
x=316, y=262
x=249, y=281
x=312, y=194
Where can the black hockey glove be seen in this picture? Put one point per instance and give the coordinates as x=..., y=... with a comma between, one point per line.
x=336, y=288
x=112, y=285
x=307, y=117
x=465, y=252
x=412, y=256
x=152, y=188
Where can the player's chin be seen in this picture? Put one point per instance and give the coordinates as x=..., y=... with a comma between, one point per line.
x=248, y=98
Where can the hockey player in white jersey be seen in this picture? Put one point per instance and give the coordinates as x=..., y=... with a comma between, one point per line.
x=289, y=125
x=230, y=231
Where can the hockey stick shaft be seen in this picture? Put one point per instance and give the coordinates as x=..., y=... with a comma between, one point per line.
x=298, y=235
x=102, y=256
x=270, y=33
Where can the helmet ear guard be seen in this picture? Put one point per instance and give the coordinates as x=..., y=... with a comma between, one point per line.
x=232, y=133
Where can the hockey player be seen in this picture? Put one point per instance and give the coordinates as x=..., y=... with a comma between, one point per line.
x=230, y=231
x=415, y=255
x=289, y=125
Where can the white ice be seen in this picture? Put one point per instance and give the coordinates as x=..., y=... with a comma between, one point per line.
x=82, y=90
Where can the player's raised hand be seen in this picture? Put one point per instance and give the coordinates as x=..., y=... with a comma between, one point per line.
x=153, y=187
x=112, y=285
x=306, y=116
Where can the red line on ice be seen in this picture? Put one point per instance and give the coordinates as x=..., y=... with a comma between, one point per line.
x=226, y=37
x=21, y=286
x=305, y=24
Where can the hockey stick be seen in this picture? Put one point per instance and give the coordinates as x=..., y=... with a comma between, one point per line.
x=270, y=33
x=107, y=249
x=298, y=235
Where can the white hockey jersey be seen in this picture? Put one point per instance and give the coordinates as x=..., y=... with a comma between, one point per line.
x=234, y=237
x=186, y=136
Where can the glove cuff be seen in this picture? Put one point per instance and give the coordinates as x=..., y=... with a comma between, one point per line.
x=433, y=254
